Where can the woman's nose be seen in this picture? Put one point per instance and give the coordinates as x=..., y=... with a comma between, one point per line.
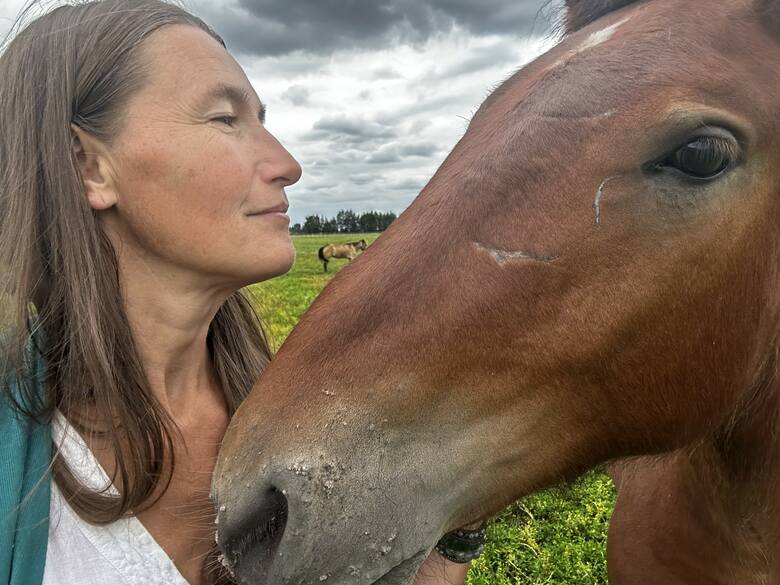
x=278, y=165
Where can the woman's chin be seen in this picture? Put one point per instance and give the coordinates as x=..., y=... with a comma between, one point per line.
x=265, y=262
x=272, y=267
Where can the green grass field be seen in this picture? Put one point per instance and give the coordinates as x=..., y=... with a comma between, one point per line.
x=555, y=536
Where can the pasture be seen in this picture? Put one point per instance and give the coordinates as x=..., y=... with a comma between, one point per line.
x=556, y=536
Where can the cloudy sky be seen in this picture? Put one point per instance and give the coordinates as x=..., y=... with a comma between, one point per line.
x=370, y=95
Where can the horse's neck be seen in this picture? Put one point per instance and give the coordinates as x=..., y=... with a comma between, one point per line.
x=709, y=512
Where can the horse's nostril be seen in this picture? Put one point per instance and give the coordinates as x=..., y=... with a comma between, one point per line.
x=273, y=519
x=259, y=536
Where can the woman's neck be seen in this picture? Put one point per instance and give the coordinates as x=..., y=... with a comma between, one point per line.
x=169, y=316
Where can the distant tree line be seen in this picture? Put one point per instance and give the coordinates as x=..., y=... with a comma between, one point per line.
x=345, y=222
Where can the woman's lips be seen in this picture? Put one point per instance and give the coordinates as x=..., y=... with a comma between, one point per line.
x=278, y=210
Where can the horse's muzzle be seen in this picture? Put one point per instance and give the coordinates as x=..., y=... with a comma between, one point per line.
x=311, y=520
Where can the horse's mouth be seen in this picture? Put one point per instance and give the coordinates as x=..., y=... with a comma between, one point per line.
x=253, y=550
x=403, y=573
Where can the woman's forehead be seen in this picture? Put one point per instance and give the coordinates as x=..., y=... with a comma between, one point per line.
x=183, y=58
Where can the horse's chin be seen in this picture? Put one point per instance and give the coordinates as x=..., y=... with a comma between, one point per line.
x=404, y=573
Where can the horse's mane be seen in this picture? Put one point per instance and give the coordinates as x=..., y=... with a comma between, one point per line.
x=580, y=13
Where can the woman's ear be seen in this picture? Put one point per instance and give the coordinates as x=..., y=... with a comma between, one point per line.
x=95, y=168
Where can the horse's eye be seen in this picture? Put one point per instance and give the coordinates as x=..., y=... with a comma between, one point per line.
x=705, y=157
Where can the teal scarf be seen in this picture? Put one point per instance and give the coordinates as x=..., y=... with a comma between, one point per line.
x=25, y=454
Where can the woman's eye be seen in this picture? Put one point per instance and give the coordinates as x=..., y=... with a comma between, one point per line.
x=227, y=120
x=705, y=157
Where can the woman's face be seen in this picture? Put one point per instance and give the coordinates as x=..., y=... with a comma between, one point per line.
x=199, y=181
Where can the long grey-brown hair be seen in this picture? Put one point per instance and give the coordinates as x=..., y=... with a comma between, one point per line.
x=59, y=281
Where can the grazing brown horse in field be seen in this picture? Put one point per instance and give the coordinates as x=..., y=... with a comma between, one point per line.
x=350, y=251
x=595, y=278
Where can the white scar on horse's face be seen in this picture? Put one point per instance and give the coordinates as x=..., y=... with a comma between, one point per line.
x=594, y=40
x=503, y=256
x=601, y=36
x=599, y=193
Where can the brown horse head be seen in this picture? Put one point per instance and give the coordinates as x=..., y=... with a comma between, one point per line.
x=594, y=275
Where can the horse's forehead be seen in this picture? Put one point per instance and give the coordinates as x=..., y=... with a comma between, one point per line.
x=650, y=47
x=593, y=40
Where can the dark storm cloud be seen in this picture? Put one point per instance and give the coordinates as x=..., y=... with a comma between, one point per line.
x=278, y=27
x=420, y=149
x=351, y=132
x=421, y=105
x=386, y=73
x=384, y=156
x=335, y=201
x=479, y=59
x=397, y=152
x=362, y=179
x=324, y=186
x=413, y=185
x=352, y=126
x=297, y=95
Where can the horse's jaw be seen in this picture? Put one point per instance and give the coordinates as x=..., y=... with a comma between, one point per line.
x=353, y=497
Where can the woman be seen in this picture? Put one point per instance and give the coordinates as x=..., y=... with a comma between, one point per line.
x=140, y=192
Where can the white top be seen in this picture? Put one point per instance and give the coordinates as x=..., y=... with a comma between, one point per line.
x=79, y=553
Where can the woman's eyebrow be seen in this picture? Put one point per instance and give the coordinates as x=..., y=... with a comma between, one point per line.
x=237, y=96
